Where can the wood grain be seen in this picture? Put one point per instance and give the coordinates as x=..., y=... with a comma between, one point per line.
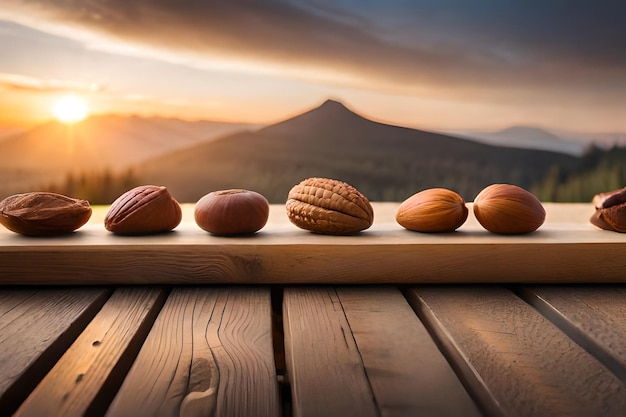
x=507, y=351
x=88, y=374
x=324, y=366
x=593, y=316
x=566, y=249
x=209, y=353
x=408, y=374
x=36, y=326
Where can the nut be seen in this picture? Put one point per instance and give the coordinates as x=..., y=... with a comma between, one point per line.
x=432, y=210
x=232, y=212
x=329, y=207
x=610, y=211
x=144, y=209
x=43, y=214
x=508, y=209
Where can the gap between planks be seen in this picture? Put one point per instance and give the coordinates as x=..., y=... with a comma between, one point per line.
x=467, y=374
x=87, y=376
x=511, y=357
x=587, y=332
x=28, y=355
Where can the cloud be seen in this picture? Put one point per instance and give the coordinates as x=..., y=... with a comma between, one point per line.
x=408, y=45
x=19, y=82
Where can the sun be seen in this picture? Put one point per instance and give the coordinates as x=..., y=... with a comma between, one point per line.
x=70, y=109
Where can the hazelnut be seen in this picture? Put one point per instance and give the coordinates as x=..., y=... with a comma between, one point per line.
x=142, y=210
x=232, y=212
x=329, y=207
x=508, y=209
x=432, y=210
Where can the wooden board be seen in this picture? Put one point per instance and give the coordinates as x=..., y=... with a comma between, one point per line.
x=36, y=327
x=408, y=374
x=593, y=316
x=324, y=366
x=86, y=377
x=209, y=353
x=566, y=249
x=514, y=360
x=362, y=351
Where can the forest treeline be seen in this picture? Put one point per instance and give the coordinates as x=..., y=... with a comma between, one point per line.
x=598, y=171
x=98, y=187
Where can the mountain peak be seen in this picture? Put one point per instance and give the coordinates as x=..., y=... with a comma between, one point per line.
x=331, y=114
x=333, y=109
x=333, y=104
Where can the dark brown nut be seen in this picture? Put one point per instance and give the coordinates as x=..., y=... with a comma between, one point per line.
x=232, y=212
x=43, y=214
x=329, y=207
x=609, y=199
x=433, y=210
x=610, y=211
x=508, y=209
x=142, y=210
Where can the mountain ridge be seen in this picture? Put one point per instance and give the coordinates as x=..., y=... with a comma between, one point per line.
x=49, y=151
x=526, y=137
x=385, y=162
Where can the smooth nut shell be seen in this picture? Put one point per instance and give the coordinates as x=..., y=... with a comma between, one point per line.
x=43, y=214
x=143, y=210
x=508, y=209
x=232, y=212
x=432, y=210
x=330, y=207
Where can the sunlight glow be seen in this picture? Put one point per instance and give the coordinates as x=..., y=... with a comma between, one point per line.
x=70, y=109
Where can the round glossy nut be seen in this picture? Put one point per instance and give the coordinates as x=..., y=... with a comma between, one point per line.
x=432, y=210
x=232, y=212
x=508, y=209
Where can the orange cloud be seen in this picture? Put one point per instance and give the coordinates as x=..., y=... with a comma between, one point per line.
x=24, y=83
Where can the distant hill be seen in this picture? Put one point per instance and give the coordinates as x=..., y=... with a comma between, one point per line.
x=604, y=140
x=385, y=162
x=527, y=137
x=47, y=152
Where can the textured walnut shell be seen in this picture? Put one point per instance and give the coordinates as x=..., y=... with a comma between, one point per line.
x=142, y=210
x=329, y=207
x=232, y=212
x=610, y=211
x=432, y=210
x=508, y=209
x=43, y=214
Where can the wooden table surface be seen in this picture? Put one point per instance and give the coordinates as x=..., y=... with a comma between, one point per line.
x=456, y=350
x=566, y=249
x=180, y=347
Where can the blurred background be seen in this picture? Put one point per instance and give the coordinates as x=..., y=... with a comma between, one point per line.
x=390, y=96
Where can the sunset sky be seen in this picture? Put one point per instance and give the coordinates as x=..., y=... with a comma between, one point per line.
x=435, y=64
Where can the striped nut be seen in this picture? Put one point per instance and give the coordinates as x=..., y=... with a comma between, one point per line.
x=142, y=210
x=329, y=207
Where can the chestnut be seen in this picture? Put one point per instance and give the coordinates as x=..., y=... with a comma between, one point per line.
x=232, y=212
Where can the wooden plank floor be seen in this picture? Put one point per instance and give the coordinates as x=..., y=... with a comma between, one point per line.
x=367, y=351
